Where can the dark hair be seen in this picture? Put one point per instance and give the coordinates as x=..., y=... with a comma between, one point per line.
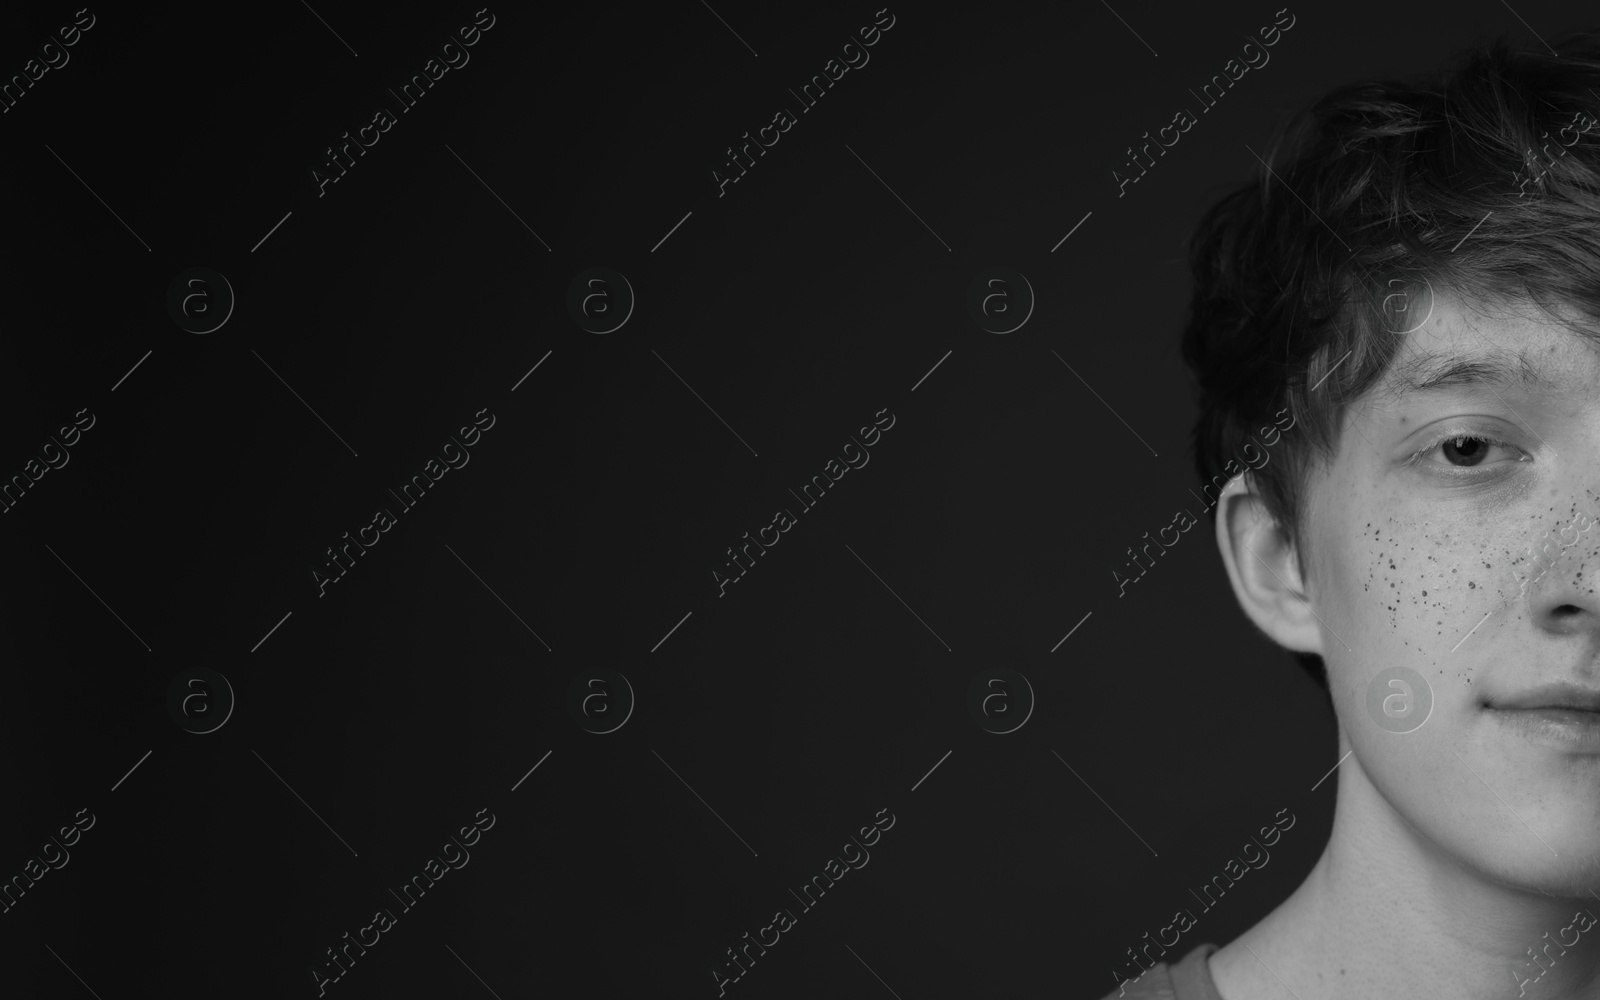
x=1482, y=181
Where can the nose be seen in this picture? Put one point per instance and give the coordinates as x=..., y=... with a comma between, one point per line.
x=1559, y=577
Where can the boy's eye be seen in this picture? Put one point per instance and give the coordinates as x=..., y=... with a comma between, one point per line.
x=1465, y=451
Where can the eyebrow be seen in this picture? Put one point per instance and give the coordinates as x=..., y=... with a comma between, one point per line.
x=1430, y=371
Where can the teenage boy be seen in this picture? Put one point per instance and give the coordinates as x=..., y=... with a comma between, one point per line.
x=1418, y=280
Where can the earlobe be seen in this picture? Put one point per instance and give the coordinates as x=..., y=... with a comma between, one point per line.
x=1264, y=568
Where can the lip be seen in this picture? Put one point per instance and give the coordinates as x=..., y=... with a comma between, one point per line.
x=1552, y=696
x=1571, y=729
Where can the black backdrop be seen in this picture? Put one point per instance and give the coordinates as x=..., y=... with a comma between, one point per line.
x=773, y=322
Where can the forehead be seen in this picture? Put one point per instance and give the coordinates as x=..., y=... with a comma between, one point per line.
x=1511, y=345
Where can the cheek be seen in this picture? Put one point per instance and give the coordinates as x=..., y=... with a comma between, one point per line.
x=1417, y=591
x=1401, y=592
x=1429, y=601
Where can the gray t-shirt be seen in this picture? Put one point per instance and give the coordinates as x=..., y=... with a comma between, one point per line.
x=1188, y=979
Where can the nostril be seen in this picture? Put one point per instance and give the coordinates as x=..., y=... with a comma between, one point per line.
x=1566, y=610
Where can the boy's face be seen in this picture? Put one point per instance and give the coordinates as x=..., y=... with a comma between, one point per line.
x=1410, y=555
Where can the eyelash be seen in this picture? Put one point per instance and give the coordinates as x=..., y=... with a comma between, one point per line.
x=1417, y=457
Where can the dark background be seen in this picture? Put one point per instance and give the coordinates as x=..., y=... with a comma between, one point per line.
x=801, y=303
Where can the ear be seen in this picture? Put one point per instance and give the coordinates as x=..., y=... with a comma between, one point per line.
x=1264, y=568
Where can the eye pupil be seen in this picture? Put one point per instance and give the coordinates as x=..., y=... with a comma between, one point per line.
x=1465, y=450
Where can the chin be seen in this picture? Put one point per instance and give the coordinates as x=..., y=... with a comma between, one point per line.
x=1562, y=860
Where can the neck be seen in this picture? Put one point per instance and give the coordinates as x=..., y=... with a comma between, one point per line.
x=1387, y=911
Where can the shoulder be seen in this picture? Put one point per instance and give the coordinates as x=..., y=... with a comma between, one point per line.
x=1155, y=984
